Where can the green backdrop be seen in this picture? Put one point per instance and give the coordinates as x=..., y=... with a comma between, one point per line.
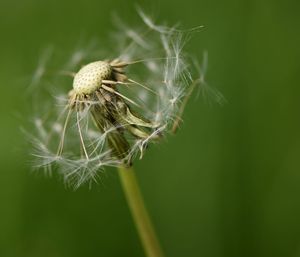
x=226, y=185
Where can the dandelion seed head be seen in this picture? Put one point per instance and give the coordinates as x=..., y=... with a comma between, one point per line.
x=117, y=106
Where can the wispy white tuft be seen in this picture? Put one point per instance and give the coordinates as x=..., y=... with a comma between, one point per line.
x=208, y=93
x=40, y=70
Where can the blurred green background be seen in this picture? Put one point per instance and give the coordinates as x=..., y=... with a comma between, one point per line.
x=227, y=185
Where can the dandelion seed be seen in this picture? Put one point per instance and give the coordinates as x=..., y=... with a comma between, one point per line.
x=41, y=68
x=208, y=93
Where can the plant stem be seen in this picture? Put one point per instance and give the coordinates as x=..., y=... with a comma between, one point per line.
x=140, y=215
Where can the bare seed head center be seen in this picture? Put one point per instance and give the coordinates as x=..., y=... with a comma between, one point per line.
x=89, y=78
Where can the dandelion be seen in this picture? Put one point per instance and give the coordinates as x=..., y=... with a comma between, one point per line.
x=115, y=107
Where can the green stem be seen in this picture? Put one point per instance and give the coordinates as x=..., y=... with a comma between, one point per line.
x=139, y=212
